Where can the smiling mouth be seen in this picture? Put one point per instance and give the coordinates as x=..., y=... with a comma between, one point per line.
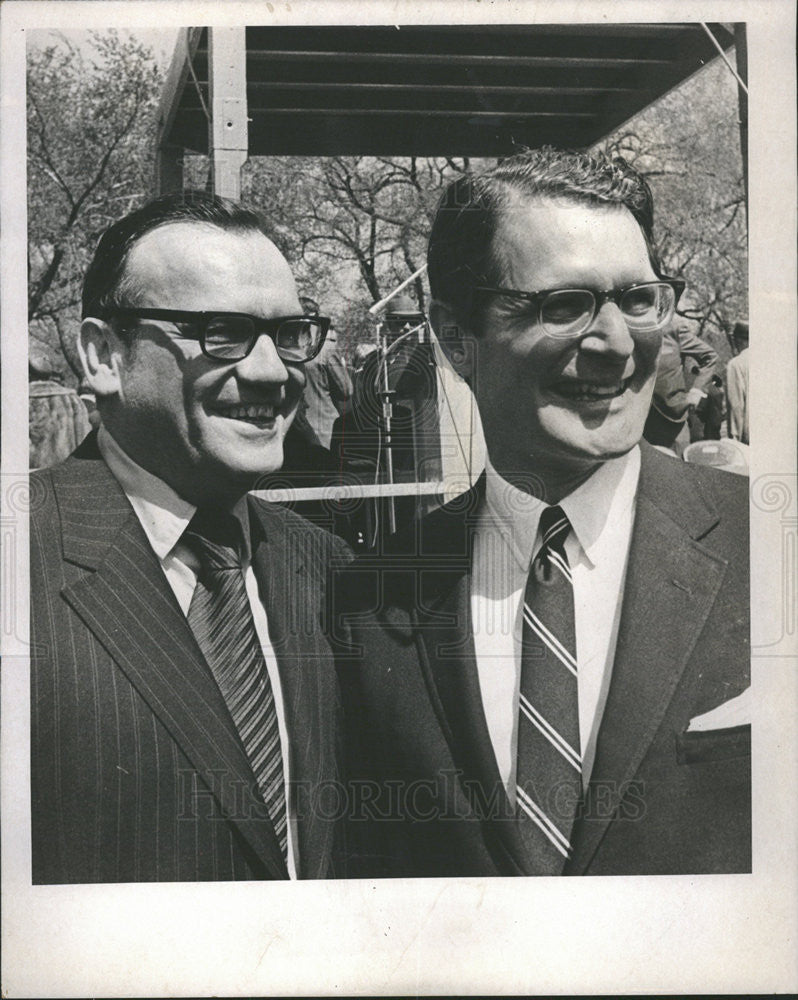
x=590, y=391
x=258, y=415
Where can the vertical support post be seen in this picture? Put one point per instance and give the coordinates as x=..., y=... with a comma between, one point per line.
x=228, y=138
x=169, y=157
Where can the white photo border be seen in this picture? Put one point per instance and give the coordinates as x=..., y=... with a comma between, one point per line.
x=731, y=933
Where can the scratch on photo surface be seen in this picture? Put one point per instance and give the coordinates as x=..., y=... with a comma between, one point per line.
x=412, y=941
x=270, y=942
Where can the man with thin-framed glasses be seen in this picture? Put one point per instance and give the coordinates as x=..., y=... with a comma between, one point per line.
x=182, y=688
x=550, y=674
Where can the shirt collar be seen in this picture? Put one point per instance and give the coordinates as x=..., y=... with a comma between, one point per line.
x=602, y=499
x=513, y=512
x=590, y=508
x=164, y=515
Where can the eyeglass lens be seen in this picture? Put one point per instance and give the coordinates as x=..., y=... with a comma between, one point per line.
x=231, y=338
x=644, y=307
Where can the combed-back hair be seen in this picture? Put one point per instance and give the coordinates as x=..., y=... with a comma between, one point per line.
x=105, y=284
x=462, y=251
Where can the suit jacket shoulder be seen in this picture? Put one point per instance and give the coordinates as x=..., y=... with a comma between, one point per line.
x=288, y=528
x=674, y=486
x=700, y=517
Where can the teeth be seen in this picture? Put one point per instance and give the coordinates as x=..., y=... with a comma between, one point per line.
x=249, y=412
x=588, y=390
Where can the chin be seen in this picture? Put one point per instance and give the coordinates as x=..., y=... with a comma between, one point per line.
x=266, y=464
x=603, y=441
x=603, y=451
x=237, y=478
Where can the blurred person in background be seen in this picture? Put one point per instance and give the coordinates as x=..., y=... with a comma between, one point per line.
x=737, y=384
x=328, y=385
x=672, y=402
x=309, y=461
x=706, y=418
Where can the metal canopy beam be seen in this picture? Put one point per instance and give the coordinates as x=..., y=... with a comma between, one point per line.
x=439, y=90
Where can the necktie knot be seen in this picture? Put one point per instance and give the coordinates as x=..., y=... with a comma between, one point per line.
x=215, y=537
x=554, y=528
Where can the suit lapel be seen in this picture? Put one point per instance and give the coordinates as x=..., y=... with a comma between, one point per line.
x=671, y=583
x=128, y=605
x=446, y=646
x=283, y=565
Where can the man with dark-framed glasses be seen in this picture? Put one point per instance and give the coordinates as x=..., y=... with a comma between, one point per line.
x=549, y=675
x=183, y=694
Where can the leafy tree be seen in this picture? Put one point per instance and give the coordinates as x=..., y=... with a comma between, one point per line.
x=354, y=227
x=688, y=147
x=91, y=130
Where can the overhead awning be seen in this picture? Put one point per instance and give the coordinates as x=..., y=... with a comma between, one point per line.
x=449, y=90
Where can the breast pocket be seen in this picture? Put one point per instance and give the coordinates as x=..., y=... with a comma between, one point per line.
x=713, y=745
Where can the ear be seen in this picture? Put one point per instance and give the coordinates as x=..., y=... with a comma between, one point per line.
x=456, y=339
x=98, y=348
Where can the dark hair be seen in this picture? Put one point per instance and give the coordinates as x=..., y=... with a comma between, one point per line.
x=104, y=284
x=740, y=331
x=461, y=251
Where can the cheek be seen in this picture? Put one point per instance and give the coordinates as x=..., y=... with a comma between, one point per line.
x=148, y=386
x=505, y=359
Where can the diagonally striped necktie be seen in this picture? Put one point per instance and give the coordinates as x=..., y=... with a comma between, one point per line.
x=221, y=620
x=549, y=778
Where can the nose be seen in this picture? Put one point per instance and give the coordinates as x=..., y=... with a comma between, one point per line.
x=608, y=334
x=263, y=363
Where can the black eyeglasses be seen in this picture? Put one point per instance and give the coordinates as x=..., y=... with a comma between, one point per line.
x=229, y=336
x=567, y=312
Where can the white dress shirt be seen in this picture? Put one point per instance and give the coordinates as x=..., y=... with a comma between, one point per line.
x=164, y=516
x=601, y=512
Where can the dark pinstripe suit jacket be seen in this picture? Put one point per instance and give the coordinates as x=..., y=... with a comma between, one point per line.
x=138, y=773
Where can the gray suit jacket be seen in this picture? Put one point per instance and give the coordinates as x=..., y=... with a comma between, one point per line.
x=138, y=773
x=660, y=800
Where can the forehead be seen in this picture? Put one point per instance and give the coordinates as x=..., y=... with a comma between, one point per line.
x=554, y=242
x=193, y=265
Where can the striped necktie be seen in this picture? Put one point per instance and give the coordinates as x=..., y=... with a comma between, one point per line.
x=549, y=776
x=221, y=620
